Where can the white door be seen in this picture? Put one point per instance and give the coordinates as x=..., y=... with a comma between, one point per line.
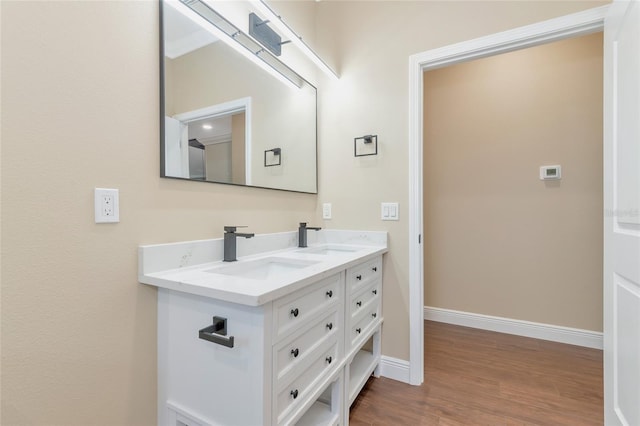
x=176, y=148
x=622, y=214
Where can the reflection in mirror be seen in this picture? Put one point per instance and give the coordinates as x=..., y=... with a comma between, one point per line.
x=217, y=148
x=217, y=138
x=223, y=115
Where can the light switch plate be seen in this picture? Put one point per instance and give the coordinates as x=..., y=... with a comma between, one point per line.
x=389, y=211
x=326, y=211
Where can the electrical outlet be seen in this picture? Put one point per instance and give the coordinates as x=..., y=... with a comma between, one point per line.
x=107, y=205
x=326, y=211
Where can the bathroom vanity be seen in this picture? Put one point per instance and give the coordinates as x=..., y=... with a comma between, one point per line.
x=285, y=335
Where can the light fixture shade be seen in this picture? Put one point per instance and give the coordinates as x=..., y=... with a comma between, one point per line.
x=214, y=23
x=282, y=26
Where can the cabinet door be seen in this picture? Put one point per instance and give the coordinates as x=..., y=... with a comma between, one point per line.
x=208, y=381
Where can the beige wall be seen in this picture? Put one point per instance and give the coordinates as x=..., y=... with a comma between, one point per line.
x=499, y=241
x=238, y=163
x=218, y=162
x=371, y=96
x=80, y=110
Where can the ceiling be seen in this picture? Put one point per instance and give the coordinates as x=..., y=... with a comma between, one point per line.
x=182, y=35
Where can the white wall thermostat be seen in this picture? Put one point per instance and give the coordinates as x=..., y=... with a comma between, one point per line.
x=550, y=172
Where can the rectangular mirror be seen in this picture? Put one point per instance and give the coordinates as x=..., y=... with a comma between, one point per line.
x=223, y=118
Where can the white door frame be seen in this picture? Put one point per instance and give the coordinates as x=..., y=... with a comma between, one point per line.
x=227, y=108
x=581, y=23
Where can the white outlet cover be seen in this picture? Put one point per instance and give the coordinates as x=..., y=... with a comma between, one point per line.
x=106, y=205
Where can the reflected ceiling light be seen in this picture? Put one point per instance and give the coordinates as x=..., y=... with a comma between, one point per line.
x=207, y=126
x=279, y=23
x=214, y=23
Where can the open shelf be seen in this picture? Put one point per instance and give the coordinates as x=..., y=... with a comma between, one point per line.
x=326, y=396
x=363, y=364
x=318, y=414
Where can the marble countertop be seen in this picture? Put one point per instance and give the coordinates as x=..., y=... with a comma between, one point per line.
x=196, y=267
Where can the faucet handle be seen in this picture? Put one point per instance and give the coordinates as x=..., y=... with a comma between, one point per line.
x=303, y=224
x=233, y=228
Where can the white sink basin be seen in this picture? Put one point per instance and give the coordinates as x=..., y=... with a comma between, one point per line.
x=262, y=269
x=330, y=250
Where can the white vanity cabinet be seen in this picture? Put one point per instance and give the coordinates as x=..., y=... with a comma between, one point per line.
x=307, y=332
x=299, y=358
x=363, y=324
x=284, y=354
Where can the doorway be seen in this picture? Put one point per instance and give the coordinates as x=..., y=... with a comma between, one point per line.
x=531, y=244
x=556, y=29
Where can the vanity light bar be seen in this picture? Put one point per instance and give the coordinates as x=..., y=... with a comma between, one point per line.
x=279, y=23
x=222, y=29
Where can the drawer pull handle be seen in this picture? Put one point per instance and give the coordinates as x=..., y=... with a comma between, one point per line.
x=358, y=330
x=359, y=277
x=359, y=303
x=217, y=333
x=374, y=269
x=374, y=315
x=330, y=325
x=295, y=312
x=330, y=293
x=374, y=291
x=328, y=359
x=295, y=352
x=294, y=393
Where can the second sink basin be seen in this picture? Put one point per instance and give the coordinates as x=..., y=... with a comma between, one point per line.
x=263, y=269
x=329, y=250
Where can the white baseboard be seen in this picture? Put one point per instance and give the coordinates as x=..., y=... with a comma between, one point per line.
x=555, y=333
x=394, y=368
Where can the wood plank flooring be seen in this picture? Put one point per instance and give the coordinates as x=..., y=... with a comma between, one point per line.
x=478, y=377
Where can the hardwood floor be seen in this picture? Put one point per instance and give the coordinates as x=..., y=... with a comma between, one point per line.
x=477, y=377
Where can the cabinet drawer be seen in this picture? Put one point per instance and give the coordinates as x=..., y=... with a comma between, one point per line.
x=363, y=300
x=299, y=389
x=362, y=324
x=359, y=275
x=298, y=350
x=295, y=310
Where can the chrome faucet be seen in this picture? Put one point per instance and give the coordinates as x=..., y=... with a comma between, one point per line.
x=230, y=236
x=302, y=233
